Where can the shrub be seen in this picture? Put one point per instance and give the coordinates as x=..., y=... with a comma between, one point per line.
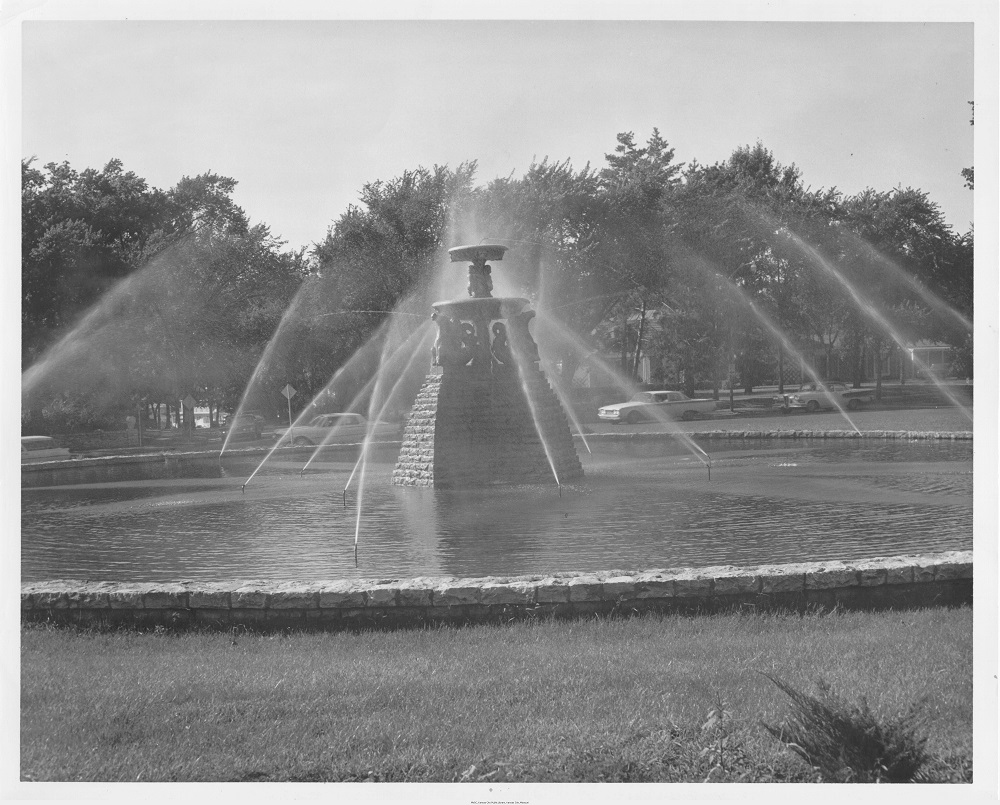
x=847, y=742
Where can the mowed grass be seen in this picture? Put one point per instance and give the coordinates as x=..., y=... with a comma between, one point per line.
x=602, y=699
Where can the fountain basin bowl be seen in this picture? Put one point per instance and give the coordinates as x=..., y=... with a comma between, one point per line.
x=479, y=309
x=476, y=254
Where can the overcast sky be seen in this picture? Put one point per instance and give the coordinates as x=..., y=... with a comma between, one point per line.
x=303, y=113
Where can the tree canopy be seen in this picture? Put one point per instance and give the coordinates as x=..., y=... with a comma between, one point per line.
x=130, y=292
x=135, y=293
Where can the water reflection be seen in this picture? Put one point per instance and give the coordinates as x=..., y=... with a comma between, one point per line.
x=639, y=506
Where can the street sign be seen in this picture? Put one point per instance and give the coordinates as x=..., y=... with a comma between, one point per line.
x=289, y=392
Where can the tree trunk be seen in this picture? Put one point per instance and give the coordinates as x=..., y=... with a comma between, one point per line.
x=638, y=339
x=878, y=373
x=688, y=382
x=188, y=421
x=781, y=369
x=856, y=363
x=624, y=344
x=747, y=371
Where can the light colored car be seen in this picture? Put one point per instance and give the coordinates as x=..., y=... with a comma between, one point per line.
x=814, y=396
x=655, y=405
x=338, y=429
x=42, y=448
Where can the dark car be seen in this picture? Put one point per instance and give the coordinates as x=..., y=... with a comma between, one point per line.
x=245, y=426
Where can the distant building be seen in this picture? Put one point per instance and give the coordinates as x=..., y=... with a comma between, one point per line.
x=929, y=356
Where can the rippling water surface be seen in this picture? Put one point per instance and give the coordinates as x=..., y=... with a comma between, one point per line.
x=642, y=506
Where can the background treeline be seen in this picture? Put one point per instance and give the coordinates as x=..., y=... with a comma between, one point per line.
x=134, y=295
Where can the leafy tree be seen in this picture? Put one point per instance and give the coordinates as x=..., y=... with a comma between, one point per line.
x=379, y=260
x=209, y=305
x=893, y=245
x=204, y=202
x=586, y=244
x=636, y=185
x=729, y=215
x=132, y=292
x=81, y=232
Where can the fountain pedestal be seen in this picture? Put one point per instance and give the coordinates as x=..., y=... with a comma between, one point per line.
x=486, y=413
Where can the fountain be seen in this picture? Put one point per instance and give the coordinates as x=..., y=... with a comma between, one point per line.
x=469, y=493
x=486, y=413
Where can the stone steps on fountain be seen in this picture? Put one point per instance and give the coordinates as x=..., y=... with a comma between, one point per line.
x=466, y=430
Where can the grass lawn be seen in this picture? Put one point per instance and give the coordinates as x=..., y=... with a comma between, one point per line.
x=655, y=699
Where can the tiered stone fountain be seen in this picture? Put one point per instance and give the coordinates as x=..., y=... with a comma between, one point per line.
x=486, y=413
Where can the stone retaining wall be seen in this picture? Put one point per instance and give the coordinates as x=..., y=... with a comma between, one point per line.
x=175, y=463
x=166, y=464
x=870, y=435
x=105, y=469
x=943, y=579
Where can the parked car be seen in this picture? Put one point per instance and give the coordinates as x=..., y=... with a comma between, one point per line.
x=655, y=405
x=814, y=396
x=244, y=426
x=42, y=448
x=338, y=429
